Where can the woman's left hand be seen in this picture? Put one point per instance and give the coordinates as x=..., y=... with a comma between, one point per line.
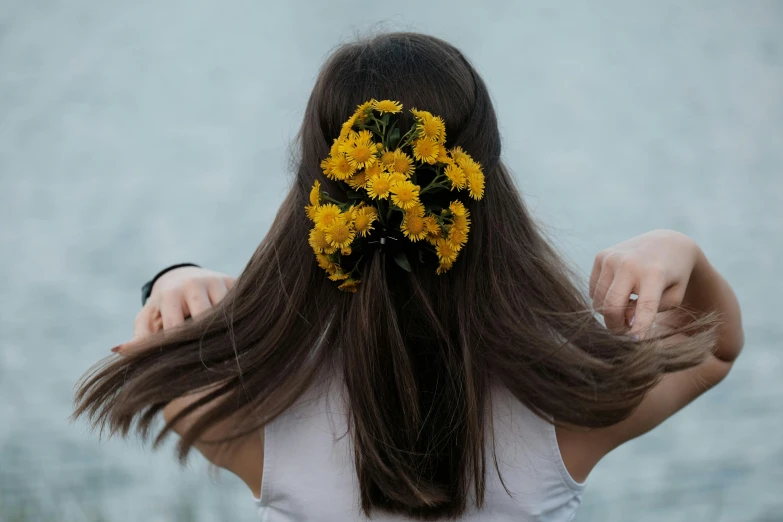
x=655, y=266
x=180, y=293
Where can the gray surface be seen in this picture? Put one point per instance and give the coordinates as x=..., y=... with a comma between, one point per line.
x=136, y=134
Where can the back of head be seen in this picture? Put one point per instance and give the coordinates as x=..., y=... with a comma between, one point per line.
x=418, y=352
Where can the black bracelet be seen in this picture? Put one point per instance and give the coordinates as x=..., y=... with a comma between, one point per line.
x=146, y=290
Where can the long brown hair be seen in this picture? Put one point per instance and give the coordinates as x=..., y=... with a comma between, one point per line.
x=417, y=352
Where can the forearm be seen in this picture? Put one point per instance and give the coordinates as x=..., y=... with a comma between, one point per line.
x=709, y=292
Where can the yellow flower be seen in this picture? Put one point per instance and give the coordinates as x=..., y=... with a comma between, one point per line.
x=461, y=222
x=335, y=148
x=413, y=227
x=387, y=106
x=326, y=166
x=319, y=243
x=457, y=237
x=396, y=177
x=430, y=126
x=347, y=127
x=363, y=218
x=445, y=251
x=374, y=169
x=360, y=149
x=405, y=194
x=426, y=150
x=443, y=156
x=340, y=168
x=310, y=211
x=434, y=232
x=358, y=180
x=402, y=163
x=456, y=175
x=324, y=262
x=325, y=215
x=315, y=194
x=350, y=285
x=387, y=158
x=443, y=267
x=476, y=185
x=417, y=209
x=362, y=111
x=337, y=274
x=458, y=208
x=378, y=187
x=346, y=251
x=459, y=155
x=340, y=233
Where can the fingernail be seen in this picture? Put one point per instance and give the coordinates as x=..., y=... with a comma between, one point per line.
x=116, y=348
x=634, y=337
x=630, y=321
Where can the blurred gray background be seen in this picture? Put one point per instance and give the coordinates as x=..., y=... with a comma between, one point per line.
x=138, y=134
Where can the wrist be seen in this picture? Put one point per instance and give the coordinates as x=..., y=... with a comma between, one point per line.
x=149, y=286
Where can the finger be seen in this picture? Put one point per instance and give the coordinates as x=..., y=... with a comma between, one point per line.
x=602, y=287
x=172, y=310
x=647, y=305
x=142, y=325
x=217, y=290
x=616, y=301
x=595, y=273
x=196, y=298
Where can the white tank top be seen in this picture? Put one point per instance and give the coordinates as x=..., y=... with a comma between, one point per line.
x=309, y=471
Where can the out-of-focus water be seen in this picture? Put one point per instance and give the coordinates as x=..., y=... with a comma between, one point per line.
x=138, y=134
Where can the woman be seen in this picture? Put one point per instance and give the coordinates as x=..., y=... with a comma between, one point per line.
x=484, y=390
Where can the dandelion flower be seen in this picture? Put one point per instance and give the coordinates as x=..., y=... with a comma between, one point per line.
x=319, y=242
x=434, y=232
x=387, y=158
x=413, y=227
x=324, y=262
x=389, y=106
x=396, y=177
x=444, y=267
x=443, y=156
x=374, y=169
x=350, y=285
x=362, y=111
x=360, y=150
x=458, y=208
x=459, y=155
x=315, y=194
x=456, y=175
x=445, y=251
x=426, y=150
x=325, y=215
x=378, y=187
x=405, y=194
x=431, y=127
x=476, y=184
x=340, y=233
x=402, y=163
x=358, y=180
x=337, y=274
x=457, y=237
x=340, y=168
x=363, y=219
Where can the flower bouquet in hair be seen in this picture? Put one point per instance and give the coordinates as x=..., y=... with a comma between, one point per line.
x=403, y=191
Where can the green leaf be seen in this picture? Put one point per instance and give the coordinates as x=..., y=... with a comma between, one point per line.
x=394, y=138
x=386, y=119
x=402, y=260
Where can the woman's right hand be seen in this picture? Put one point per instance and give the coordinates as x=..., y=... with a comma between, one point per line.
x=183, y=292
